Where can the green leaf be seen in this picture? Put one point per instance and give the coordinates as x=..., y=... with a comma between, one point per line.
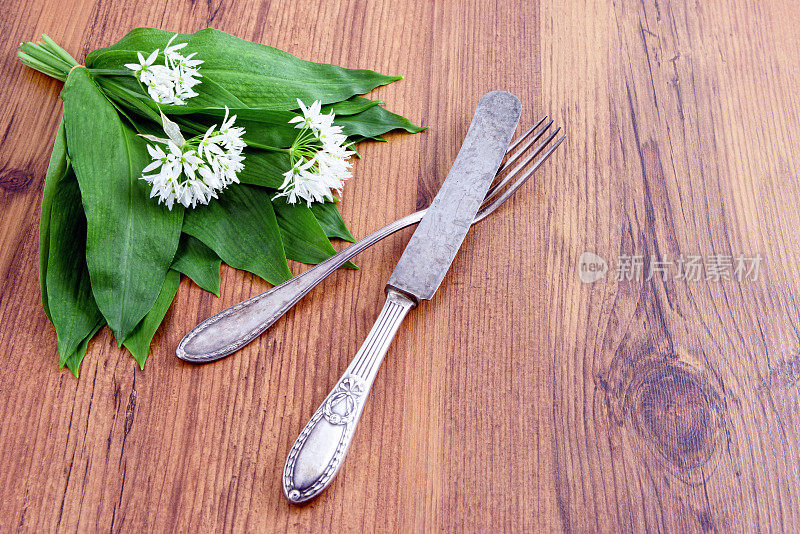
x=198, y=262
x=68, y=277
x=263, y=127
x=303, y=237
x=56, y=170
x=361, y=139
x=127, y=93
x=131, y=240
x=330, y=219
x=73, y=362
x=264, y=168
x=69, y=294
x=240, y=226
x=138, y=342
x=351, y=106
x=360, y=118
x=266, y=127
x=238, y=73
x=375, y=121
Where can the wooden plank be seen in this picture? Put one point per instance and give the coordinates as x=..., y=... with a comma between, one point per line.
x=520, y=398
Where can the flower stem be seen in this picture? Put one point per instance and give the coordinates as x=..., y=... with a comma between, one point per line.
x=47, y=57
x=41, y=54
x=111, y=72
x=60, y=52
x=304, y=145
x=254, y=144
x=41, y=67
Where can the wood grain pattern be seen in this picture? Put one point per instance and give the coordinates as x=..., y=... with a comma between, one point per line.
x=520, y=398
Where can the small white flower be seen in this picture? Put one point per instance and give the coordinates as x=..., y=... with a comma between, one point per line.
x=313, y=118
x=320, y=161
x=171, y=51
x=295, y=182
x=231, y=136
x=193, y=172
x=191, y=64
x=172, y=82
x=310, y=114
x=144, y=64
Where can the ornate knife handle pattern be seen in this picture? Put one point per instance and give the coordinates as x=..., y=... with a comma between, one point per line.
x=319, y=451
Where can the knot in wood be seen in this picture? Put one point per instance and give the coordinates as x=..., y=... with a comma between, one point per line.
x=671, y=408
x=15, y=179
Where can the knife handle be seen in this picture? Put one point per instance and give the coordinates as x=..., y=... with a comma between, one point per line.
x=319, y=450
x=233, y=328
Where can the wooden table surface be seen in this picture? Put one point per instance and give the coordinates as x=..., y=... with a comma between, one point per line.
x=520, y=398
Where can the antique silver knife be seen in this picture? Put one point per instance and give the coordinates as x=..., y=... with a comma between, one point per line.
x=319, y=451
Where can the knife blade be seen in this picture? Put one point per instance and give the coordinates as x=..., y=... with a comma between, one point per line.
x=431, y=250
x=319, y=450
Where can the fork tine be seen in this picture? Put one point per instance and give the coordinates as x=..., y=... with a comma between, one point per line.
x=498, y=186
x=519, y=139
x=515, y=156
x=488, y=209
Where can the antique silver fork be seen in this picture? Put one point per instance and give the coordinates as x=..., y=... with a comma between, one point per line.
x=231, y=329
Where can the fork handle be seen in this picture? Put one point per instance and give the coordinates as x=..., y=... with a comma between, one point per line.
x=233, y=328
x=319, y=450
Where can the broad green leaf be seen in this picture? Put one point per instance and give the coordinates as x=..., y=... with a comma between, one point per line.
x=240, y=226
x=303, y=237
x=360, y=117
x=146, y=125
x=56, y=170
x=238, y=73
x=138, y=342
x=131, y=239
x=351, y=106
x=263, y=127
x=119, y=90
x=360, y=139
x=127, y=90
x=271, y=128
x=375, y=121
x=264, y=168
x=74, y=360
x=69, y=294
x=198, y=262
x=330, y=219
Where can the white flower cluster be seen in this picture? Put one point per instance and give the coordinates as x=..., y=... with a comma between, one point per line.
x=172, y=82
x=320, y=157
x=192, y=172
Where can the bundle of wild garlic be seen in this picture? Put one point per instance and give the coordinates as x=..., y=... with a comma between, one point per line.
x=178, y=152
